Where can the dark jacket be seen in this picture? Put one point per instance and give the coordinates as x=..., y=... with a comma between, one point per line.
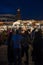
x=16, y=39
x=37, y=53
x=25, y=41
x=10, y=48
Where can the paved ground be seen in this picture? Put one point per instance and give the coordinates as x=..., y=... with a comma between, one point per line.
x=3, y=56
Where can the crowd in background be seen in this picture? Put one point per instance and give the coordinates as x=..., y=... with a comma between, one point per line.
x=18, y=42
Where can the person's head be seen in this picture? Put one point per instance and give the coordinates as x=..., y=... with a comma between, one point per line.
x=29, y=31
x=13, y=31
x=38, y=34
x=22, y=31
x=17, y=31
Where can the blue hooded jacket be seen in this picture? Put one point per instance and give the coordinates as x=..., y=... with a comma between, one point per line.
x=16, y=40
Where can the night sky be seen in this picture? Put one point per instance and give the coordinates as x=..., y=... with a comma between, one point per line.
x=30, y=9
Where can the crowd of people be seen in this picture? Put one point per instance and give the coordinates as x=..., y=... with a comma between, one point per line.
x=18, y=42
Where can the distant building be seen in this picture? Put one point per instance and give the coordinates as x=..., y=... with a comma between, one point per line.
x=10, y=17
x=7, y=17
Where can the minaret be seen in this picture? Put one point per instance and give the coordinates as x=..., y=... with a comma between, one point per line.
x=18, y=14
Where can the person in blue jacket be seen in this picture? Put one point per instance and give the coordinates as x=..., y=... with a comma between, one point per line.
x=16, y=41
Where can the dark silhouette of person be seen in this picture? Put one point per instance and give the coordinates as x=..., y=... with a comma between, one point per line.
x=33, y=34
x=16, y=41
x=0, y=39
x=10, y=49
x=25, y=46
x=37, y=54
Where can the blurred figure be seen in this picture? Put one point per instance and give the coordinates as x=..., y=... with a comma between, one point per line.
x=10, y=48
x=33, y=34
x=16, y=41
x=0, y=39
x=25, y=46
x=37, y=53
